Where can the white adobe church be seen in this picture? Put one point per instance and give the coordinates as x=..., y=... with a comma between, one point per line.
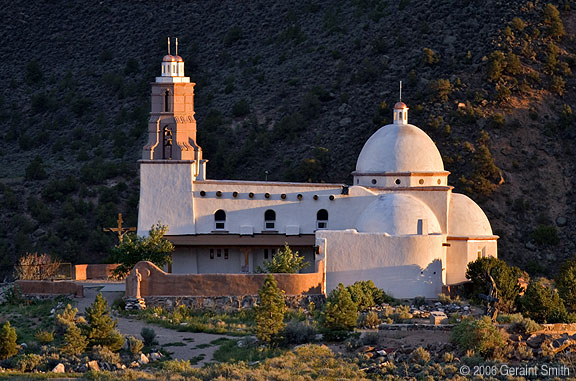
x=399, y=225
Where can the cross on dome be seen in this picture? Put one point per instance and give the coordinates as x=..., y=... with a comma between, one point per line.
x=172, y=67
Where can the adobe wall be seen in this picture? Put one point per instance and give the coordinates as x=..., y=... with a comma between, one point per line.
x=147, y=280
x=46, y=287
x=93, y=271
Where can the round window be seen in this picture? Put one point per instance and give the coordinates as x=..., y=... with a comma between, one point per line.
x=374, y=181
x=397, y=181
x=439, y=181
x=421, y=181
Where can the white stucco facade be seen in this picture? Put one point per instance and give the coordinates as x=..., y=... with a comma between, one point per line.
x=399, y=224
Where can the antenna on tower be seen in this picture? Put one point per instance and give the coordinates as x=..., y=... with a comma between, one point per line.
x=400, y=91
x=176, y=45
x=168, y=45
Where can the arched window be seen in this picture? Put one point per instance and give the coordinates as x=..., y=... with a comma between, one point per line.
x=269, y=219
x=167, y=101
x=166, y=143
x=220, y=219
x=322, y=219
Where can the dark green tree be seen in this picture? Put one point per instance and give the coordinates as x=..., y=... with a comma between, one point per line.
x=101, y=327
x=284, y=261
x=133, y=249
x=340, y=311
x=566, y=284
x=506, y=278
x=270, y=312
x=366, y=295
x=479, y=335
x=8, y=346
x=35, y=170
x=543, y=304
x=74, y=342
x=496, y=65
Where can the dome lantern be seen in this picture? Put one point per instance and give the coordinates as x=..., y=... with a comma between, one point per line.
x=400, y=113
x=172, y=67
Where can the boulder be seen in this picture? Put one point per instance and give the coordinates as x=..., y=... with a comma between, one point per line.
x=59, y=368
x=93, y=365
x=143, y=359
x=154, y=356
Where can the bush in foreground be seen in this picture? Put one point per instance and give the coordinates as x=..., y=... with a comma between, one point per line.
x=270, y=312
x=543, y=304
x=339, y=311
x=101, y=328
x=8, y=346
x=481, y=336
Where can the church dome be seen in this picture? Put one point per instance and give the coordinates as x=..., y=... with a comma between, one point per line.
x=466, y=218
x=169, y=58
x=399, y=148
x=178, y=59
x=398, y=214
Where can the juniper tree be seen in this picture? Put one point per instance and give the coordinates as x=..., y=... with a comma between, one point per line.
x=340, y=311
x=284, y=261
x=74, y=342
x=8, y=346
x=270, y=312
x=101, y=328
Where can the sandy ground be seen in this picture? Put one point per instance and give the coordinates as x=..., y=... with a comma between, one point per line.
x=164, y=336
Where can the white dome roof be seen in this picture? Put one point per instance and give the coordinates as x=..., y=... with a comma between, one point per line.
x=396, y=214
x=466, y=218
x=399, y=148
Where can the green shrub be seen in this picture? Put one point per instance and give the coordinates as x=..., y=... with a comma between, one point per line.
x=27, y=362
x=101, y=328
x=566, y=283
x=104, y=354
x=518, y=24
x=34, y=72
x=505, y=277
x=241, y=108
x=496, y=65
x=420, y=356
x=543, y=304
x=369, y=320
x=176, y=366
x=339, y=311
x=481, y=336
x=270, y=312
x=546, y=235
x=525, y=326
x=134, y=248
x=401, y=314
x=440, y=89
x=44, y=337
x=35, y=170
x=557, y=85
x=74, y=342
x=429, y=57
x=134, y=345
x=366, y=295
x=284, y=261
x=149, y=336
x=65, y=319
x=299, y=332
x=8, y=346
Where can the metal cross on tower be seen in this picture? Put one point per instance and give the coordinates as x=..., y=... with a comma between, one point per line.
x=119, y=229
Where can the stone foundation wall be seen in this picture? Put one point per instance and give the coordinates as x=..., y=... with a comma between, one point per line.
x=47, y=287
x=227, y=303
x=93, y=271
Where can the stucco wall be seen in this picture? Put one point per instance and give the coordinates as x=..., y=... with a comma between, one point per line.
x=155, y=282
x=45, y=287
x=404, y=266
x=166, y=196
x=461, y=252
x=93, y=271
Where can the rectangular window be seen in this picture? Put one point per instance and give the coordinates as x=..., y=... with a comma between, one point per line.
x=273, y=252
x=269, y=225
x=265, y=253
x=225, y=253
x=321, y=225
x=211, y=253
x=219, y=225
x=218, y=253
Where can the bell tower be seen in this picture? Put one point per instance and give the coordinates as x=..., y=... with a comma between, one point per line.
x=172, y=127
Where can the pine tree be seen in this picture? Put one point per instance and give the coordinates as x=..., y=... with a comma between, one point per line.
x=270, y=312
x=8, y=346
x=74, y=342
x=566, y=284
x=101, y=328
x=340, y=311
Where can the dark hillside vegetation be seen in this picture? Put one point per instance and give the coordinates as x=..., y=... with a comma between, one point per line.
x=290, y=87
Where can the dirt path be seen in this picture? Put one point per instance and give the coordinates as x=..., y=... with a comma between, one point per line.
x=187, y=343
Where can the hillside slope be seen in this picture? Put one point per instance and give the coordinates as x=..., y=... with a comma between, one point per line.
x=290, y=87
